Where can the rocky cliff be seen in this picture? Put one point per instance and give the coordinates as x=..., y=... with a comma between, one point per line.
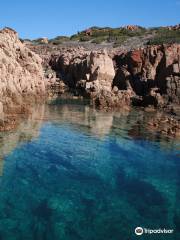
x=114, y=78
x=21, y=74
x=111, y=78
x=152, y=72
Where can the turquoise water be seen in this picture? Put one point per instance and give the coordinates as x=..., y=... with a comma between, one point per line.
x=71, y=173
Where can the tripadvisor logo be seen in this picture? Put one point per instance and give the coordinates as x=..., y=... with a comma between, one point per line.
x=139, y=231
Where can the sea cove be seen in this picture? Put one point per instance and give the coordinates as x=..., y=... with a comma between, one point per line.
x=90, y=120
x=72, y=172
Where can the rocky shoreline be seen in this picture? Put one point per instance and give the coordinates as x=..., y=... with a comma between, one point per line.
x=116, y=78
x=148, y=76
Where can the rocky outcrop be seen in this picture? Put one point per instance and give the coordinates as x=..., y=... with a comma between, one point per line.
x=132, y=27
x=100, y=80
x=115, y=78
x=109, y=78
x=175, y=28
x=44, y=40
x=21, y=74
x=90, y=74
x=101, y=70
x=152, y=72
x=98, y=74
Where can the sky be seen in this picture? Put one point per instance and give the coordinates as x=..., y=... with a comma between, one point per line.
x=51, y=18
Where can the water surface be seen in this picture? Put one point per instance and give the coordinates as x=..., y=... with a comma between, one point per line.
x=70, y=173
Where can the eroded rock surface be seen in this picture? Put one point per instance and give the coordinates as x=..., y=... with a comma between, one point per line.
x=21, y=74
x=115, y=78
x=152, y=72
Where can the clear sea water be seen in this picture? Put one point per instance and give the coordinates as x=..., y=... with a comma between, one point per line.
x=70, y=172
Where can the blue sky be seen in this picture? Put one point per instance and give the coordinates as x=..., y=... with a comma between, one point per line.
x=50, y=18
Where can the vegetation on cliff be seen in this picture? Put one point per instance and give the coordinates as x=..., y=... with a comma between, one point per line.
x=121, y=35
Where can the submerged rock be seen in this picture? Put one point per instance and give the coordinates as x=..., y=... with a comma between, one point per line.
x=165, y=125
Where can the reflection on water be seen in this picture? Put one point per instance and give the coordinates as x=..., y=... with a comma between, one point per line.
x=70, y=172
x=26, y=131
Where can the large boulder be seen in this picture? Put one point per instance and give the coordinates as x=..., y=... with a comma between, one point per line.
x=101, y=69
x=21, y=73
x=84, y=71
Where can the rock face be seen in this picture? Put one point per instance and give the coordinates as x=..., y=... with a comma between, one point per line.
x=44, y=40
x=90, y=74
x=21, y=74
x=101, y=66
x=101, y=70
x=98, y=74
x=152, y=72
x=114, y=78
x=176, y=27
x=131, y=27
x=100, y=80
